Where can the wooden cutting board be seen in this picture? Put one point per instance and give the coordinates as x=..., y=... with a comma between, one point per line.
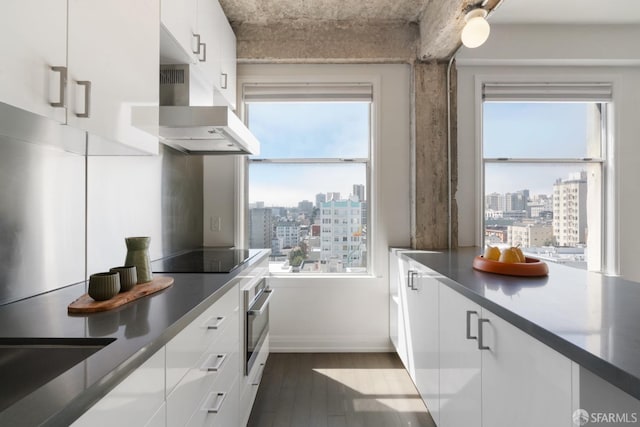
x=86, y=304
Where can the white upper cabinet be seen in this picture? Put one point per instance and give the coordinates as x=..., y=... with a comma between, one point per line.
x=34, y=41
x=113, y=65
x=197, y=32
x=226, y=68
x=84, y=63
x=179, y=30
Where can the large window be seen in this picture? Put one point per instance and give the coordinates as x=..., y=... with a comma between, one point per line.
x=544, y=154
x=308, y=187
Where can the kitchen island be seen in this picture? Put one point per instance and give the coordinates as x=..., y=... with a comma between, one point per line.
x=486, y=349
x=139, y=330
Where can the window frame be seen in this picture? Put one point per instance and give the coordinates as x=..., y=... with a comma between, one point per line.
x=366, y=161
x=608, y=223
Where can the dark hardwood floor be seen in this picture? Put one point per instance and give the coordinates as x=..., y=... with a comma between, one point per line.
x=337, y=390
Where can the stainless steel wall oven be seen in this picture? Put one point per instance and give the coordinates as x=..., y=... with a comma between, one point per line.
x=256, y=298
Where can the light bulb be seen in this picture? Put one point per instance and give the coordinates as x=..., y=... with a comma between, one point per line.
x=476, y=30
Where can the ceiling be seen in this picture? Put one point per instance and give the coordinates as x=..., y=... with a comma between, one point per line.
x=511, y=11
x=339, y=30
x=568, y=12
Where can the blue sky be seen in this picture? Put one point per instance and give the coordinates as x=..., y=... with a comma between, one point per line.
x=307, y=130
x=317, y=130
x=532, y=130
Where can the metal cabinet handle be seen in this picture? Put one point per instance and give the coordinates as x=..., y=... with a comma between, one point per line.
x=197, y=51
x=62, y=102
x=87, y=97
x=203, y=58
x=261, y=303
x=216, y=398
x=213, y=363
x=258, y=377
x=481, y=345
x=413, y=281
x=411, y=275
x=469, y=313
x=216, y=325
x=224, y=78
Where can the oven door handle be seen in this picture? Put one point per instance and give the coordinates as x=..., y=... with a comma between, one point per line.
x=261, y=303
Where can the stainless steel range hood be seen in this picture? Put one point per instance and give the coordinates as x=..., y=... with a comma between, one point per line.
x=193, y=129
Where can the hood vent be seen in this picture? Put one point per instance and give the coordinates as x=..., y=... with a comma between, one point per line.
x=193, y=129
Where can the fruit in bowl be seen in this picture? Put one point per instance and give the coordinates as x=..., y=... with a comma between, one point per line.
x=492, y=253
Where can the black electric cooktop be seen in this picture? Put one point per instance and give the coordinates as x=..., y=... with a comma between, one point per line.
x=205, y=260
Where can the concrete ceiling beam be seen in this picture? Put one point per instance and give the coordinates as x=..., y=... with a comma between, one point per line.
x=303, y=41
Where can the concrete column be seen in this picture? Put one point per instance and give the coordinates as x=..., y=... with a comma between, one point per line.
x=432, y=213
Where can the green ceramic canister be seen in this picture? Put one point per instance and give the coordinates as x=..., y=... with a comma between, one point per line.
x=138, y=255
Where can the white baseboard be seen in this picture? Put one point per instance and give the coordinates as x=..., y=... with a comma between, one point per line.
x=319, y=344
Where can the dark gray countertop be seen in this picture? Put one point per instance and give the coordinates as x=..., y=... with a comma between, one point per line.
x=588, y=317
x=140, y=328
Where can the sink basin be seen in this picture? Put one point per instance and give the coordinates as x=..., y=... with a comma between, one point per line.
x=28, y=363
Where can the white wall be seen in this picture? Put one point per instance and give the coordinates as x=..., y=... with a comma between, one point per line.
x=348, y=313
x=580, y=53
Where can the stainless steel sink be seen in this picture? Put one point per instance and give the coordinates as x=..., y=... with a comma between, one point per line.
x=28, y=363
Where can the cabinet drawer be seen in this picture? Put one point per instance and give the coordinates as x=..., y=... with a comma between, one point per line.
x=225, y=400
x=188, y=347
x=192, y=390
x=249, y=384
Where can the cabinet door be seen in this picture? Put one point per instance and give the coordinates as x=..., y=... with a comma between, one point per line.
x=179, y=19
x=34, y=40
x=398, y=271
x=460, y=361
x=524, y=382
x=113, y=62
x=422, y=299
x=226, y=67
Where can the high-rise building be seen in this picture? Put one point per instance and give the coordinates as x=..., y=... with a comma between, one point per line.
x=305, y=206
x=288, y=234
x=341, y=235
x=320, y=198
x=260, y=228
x=570, y=210
x=494, y=202
x=358, y=191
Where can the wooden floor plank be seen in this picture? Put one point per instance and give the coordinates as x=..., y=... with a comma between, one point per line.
x=337, y=390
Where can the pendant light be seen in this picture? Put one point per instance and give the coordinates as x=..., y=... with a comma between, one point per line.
x=476, y=30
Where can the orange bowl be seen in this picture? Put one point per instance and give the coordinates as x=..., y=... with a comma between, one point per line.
x=533, y=267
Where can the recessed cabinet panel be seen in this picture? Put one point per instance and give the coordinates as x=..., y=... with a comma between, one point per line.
x=113, y=66
x=35, y=40
x=460, y=361
x=422, y=327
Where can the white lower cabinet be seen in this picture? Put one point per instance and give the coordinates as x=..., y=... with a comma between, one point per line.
x=460, y=361
x=423, y=330
x=513, y=380
x=133, y=402
x=524, y=382
x=203, y=366
x=398, y=271
x=471, y=367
